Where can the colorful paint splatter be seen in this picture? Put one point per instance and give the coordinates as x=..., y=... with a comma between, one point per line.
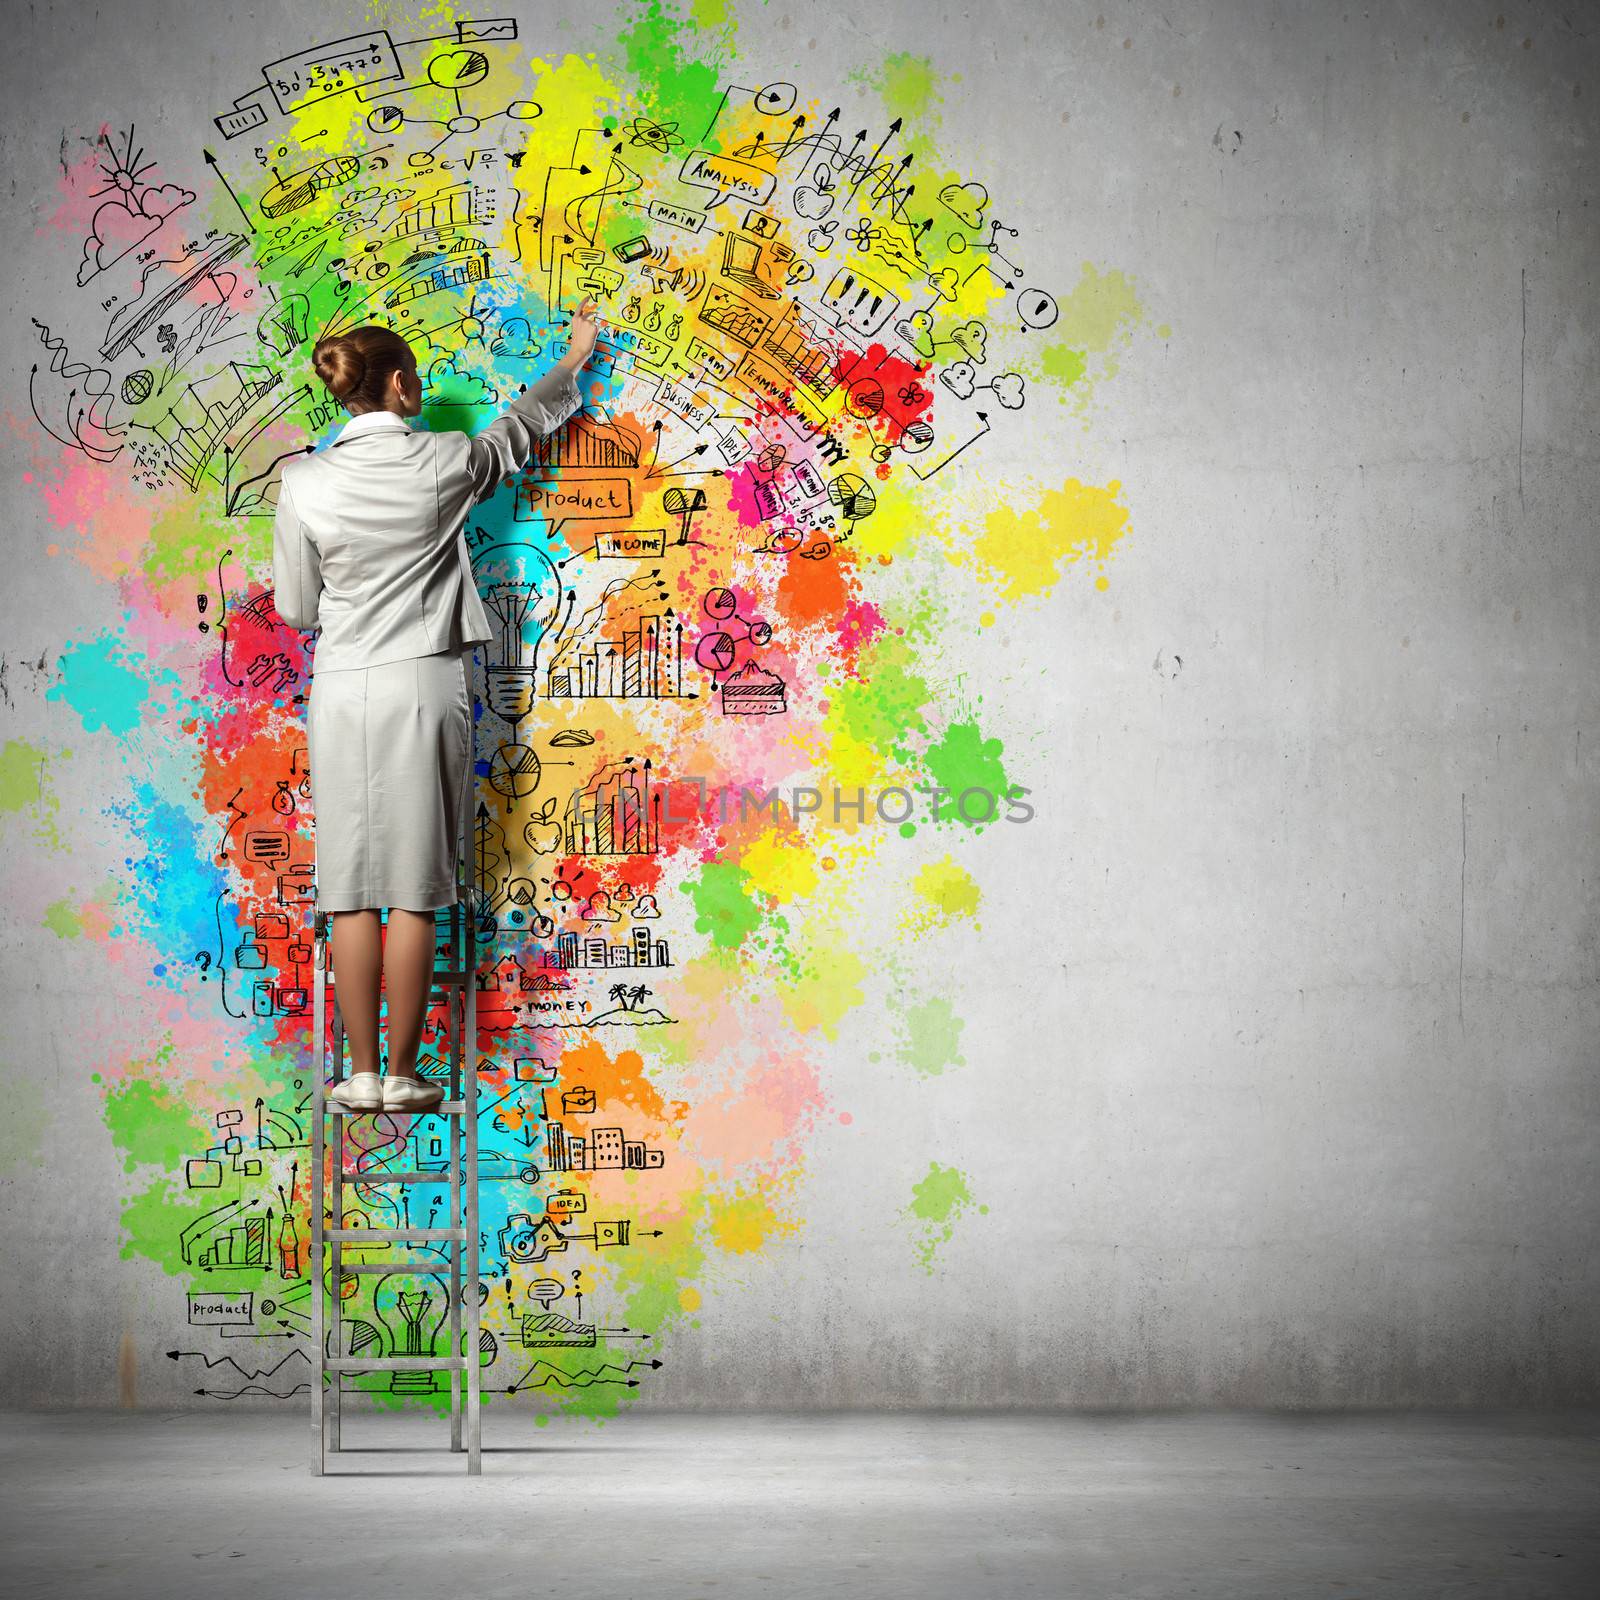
x=939, y=1199
x=745, y=577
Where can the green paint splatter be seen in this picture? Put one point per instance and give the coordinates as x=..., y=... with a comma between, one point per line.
x=1063, y=365
x=933, y=1037
x=677, y=63
x=25, y=787
x=964, y=759
x=69, y=918
x=22, y=1129
x=1096, y=319
x=154, y=1127
x=885, y=704
x=148, y=1117
x=723, y=905
x=938, y=1203
x=908, y=86
x=21, y=775
x=154, y=1216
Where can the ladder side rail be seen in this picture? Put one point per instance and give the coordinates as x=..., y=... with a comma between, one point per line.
x=469, y=1110
x=319, y=948
x=336, y=1245
x=469, y=1116
x=454, y=1001
x=336, y=1254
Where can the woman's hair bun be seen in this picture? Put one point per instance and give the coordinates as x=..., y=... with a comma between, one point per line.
x=357, y=365
x=339, y=364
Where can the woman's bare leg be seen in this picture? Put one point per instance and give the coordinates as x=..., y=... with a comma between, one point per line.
x=357, y=966
x=408, y=971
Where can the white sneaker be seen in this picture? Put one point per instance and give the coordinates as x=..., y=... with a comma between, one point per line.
x=410, y=1094
x=361, y=1091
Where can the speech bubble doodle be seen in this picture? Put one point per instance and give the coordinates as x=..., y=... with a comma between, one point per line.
x=966, y=201
x=971, y=339
x=584, y=500
x=858, y=303
x=960, y=379
x=1036, y=308
x=1009, y=390
x=725, y=177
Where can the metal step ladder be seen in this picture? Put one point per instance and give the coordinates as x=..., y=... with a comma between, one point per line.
x=457, y=979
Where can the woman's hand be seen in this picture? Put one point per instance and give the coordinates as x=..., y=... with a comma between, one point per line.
x=582, y=332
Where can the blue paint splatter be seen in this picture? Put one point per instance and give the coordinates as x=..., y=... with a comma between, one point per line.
x=104, y=688
x=177, y=884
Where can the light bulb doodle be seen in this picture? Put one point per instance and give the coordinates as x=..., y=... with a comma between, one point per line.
x=411, y=1310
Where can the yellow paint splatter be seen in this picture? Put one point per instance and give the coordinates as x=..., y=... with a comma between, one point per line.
x=743, y=1221
x=821, y=996
x=944, y=892
x=780, y=865
x=1024, y=553
x=1099, y=312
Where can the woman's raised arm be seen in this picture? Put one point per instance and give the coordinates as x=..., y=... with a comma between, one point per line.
x=507, y=444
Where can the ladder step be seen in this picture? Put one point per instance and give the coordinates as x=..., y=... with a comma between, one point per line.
x=428, y=1264
x=443, y=978
x=394, y=1364
x=445, y=1108
x=394, y=1177
x=393, y=1235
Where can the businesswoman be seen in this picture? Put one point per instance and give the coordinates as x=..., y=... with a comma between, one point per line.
x=368, y=545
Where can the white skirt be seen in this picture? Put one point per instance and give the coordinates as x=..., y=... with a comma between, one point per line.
x=389, y=749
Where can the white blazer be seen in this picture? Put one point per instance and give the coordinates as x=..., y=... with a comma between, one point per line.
x=369, y=542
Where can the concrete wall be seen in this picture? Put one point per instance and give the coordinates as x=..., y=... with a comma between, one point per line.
x=1294, y=1100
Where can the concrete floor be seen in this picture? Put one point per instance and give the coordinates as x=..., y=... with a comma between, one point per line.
x=875, y=1506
